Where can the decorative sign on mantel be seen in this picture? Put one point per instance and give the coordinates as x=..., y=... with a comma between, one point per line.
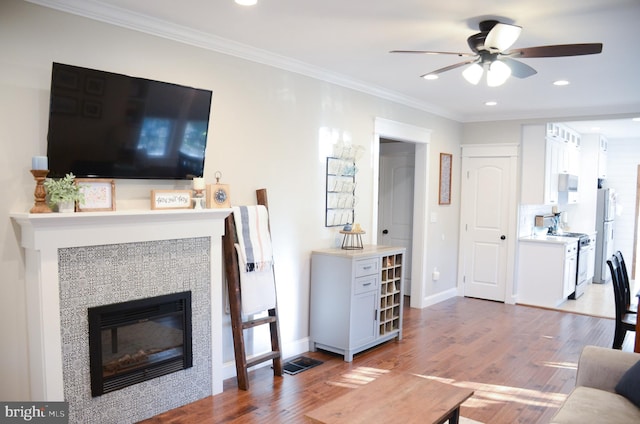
x=170, y=199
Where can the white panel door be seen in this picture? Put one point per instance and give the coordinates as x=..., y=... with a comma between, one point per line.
x=396, y=208
x=484, y=214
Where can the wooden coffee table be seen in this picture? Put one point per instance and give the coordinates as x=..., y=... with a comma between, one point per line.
x=395, y=398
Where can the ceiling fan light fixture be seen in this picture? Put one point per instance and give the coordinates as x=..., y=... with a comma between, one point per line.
x=501, y=37
x=430, y=76
x=473, y=73
x=498, y=73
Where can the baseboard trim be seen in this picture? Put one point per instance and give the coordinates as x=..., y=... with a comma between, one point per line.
x=439, y=297
x=289, y=350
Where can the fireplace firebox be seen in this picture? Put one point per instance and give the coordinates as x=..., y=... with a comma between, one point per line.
x=139, y=340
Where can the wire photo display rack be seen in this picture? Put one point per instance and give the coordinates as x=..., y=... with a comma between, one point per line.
x=340, y=197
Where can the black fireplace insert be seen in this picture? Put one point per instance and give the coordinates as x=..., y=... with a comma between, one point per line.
x=139, y=340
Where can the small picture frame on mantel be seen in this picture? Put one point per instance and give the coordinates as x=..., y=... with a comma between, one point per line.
x=99, y=194
x=171, y=199
x=444, y=192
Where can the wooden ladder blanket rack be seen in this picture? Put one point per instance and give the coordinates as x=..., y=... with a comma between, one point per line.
x=235, y=307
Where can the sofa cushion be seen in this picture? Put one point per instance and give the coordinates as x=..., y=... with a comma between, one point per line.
x=629, y=384
x=585, y=404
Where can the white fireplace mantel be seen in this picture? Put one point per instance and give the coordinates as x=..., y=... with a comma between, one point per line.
x=43, y=234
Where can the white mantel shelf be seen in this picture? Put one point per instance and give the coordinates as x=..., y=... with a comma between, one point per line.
x=43, y=234
x=115, y=227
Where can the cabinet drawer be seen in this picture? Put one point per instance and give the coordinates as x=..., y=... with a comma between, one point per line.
x=365, y=284
x=367, y=267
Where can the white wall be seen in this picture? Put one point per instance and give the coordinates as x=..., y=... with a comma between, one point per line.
x=270, y=128
x=623, y=158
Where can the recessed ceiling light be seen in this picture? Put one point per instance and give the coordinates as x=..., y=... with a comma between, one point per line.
x=561, y=82
x=430, y=77
x=490, y=103
x=246, y=2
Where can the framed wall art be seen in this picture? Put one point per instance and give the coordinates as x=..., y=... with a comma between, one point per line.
x=444, y=192
x=170, y=199
x=99, y=194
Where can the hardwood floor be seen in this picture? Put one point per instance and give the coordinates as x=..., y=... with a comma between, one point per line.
x=520, y=361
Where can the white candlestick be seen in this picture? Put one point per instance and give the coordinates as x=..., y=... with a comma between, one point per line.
x=39, y=163
x=198, y=183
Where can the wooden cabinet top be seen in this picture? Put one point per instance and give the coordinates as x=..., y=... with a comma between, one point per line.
x=367, y=250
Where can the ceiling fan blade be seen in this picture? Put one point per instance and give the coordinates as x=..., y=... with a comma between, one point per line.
x=450, y=67
x=558, y=50
x=431, y=52
x=501, y=37
x=519, y=69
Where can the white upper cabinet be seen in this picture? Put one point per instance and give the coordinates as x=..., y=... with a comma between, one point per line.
x=547, y=151
x=602, y=157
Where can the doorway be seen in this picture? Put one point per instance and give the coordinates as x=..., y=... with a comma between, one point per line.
x=395, y=199
x=634, y=262
x=420, y=137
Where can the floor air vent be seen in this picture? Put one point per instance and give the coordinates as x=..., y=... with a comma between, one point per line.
x=299, y=364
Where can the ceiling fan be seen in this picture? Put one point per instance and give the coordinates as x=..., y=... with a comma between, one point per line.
x=489, y=52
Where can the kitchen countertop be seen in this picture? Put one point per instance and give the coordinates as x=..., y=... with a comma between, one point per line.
x=550, y=239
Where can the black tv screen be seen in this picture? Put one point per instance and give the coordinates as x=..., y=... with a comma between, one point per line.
x=103, y=124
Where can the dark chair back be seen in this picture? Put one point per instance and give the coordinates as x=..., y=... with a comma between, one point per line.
x=625, y=321
x=618, y=290
x=624, y=277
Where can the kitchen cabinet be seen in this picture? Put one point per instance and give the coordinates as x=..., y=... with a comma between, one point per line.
x=547, y=268
x=356, y=298
x=603, y=145
x=547, y=151
x=599, y=151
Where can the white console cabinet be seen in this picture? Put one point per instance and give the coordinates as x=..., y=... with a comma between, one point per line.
x=546, y=270
x=356, y=298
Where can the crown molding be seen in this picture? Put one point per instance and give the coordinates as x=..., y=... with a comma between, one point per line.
x=117, y=16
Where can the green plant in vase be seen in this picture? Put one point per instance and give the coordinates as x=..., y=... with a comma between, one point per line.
x=63, y=193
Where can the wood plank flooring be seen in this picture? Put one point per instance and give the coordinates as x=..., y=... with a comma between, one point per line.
x=519, y=360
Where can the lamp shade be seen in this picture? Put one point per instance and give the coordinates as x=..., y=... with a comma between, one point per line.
x=501, y=37
x=497, y=73
x=473, y=73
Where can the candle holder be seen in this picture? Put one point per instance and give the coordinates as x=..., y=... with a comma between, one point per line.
x=198, y=198
x=40, y=193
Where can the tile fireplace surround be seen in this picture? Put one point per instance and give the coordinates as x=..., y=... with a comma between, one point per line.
x=78, y=260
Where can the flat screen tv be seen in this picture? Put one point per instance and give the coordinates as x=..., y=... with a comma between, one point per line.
x=108, y=125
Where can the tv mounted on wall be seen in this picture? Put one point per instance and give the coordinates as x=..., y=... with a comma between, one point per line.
x=103, y=124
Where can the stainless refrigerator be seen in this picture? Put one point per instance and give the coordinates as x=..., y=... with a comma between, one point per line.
x=605, y=214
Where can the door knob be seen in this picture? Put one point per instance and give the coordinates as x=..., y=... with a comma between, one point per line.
x=385, y=231
x=503, y=237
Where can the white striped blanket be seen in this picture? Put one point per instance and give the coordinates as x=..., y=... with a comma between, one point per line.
x=252, y=228
x=255, y=259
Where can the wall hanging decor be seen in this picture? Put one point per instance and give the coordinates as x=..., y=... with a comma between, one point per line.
x=444, y=192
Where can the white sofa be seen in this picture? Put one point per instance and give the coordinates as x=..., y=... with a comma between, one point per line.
x=594, y=399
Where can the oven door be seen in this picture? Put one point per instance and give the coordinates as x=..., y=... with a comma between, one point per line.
x=583, y=266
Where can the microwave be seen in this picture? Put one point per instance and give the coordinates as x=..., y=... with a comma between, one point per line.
x=567, y=182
